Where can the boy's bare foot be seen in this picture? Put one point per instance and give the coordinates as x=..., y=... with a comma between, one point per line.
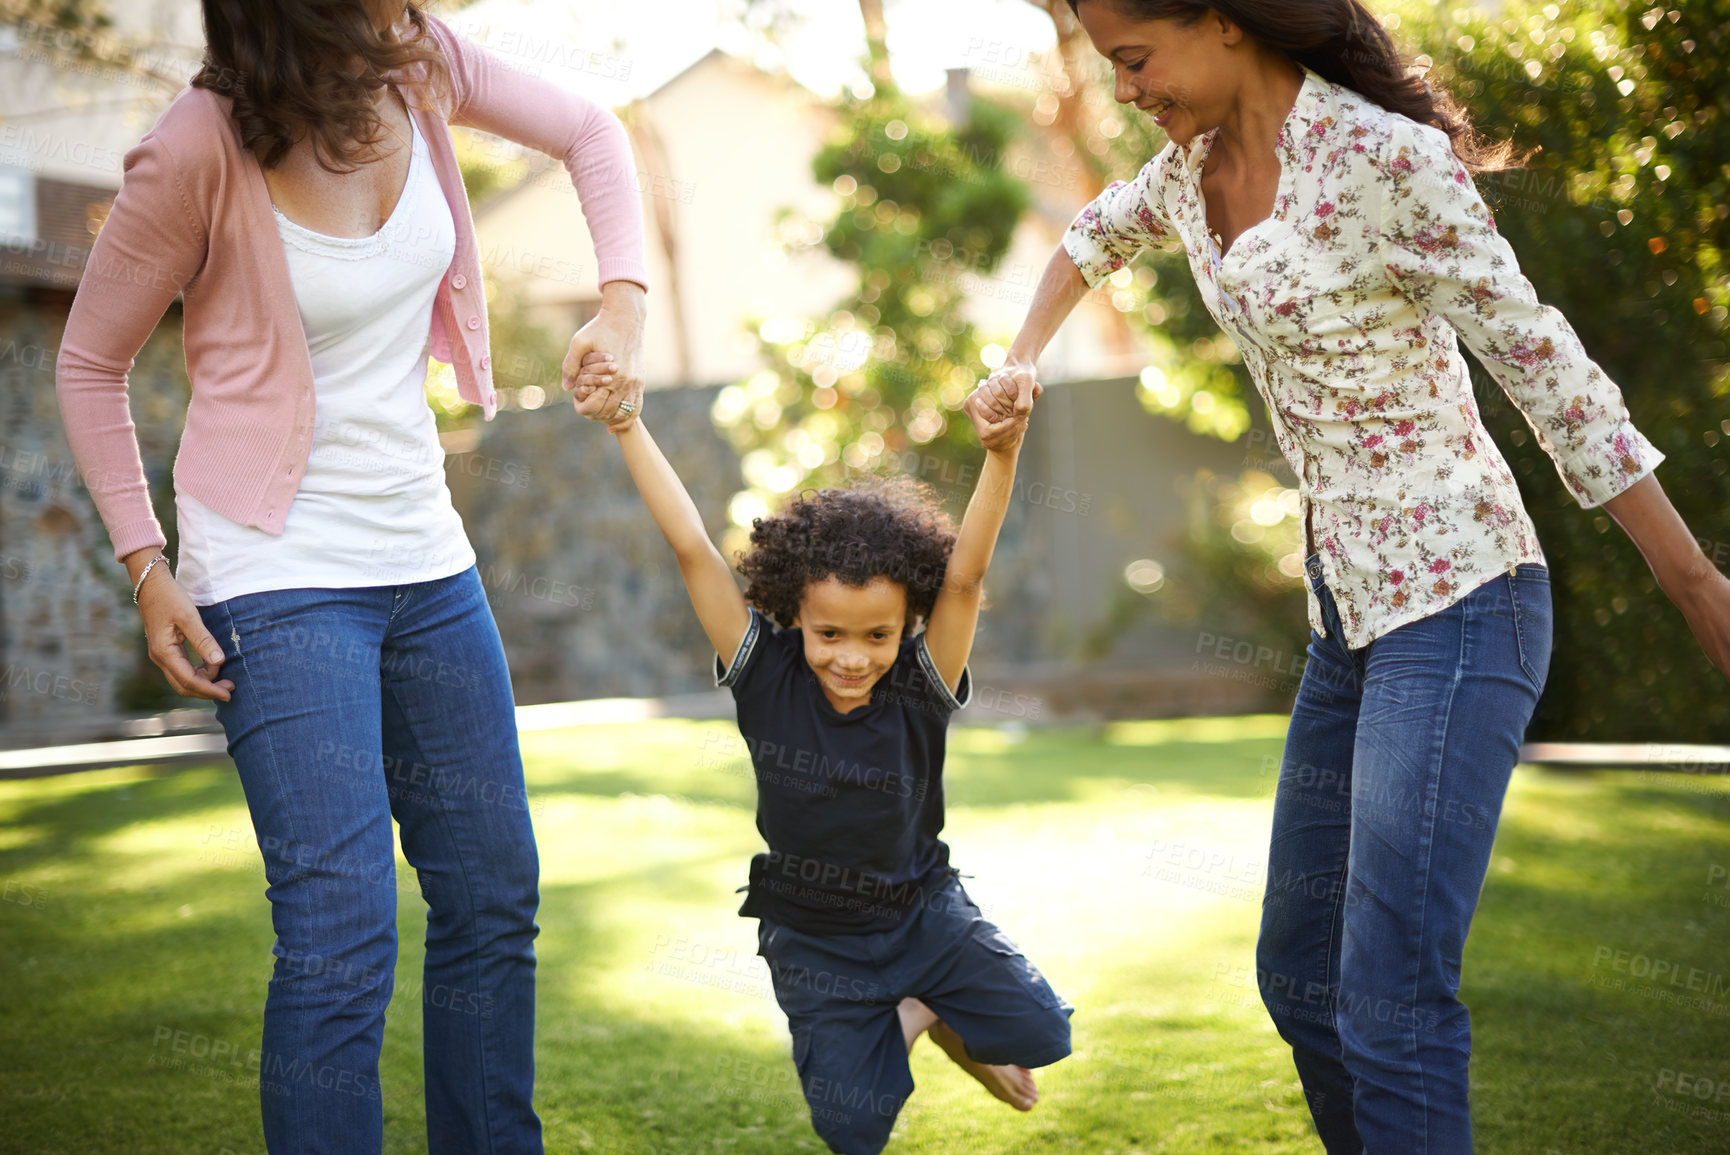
x=1014, y=1085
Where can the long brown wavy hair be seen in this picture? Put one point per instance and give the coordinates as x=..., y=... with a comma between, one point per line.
x=313, y=68
x=1344, y=42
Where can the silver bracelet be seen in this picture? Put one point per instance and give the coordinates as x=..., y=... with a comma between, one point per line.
x=140, y=583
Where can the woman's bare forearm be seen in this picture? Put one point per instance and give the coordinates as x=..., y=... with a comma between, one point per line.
x=1689, y=579
x=1645, y=514
x=1059, y=288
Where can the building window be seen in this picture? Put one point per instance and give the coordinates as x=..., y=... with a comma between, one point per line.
x=17, y=204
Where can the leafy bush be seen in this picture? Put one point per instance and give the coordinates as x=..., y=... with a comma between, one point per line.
x=924, y=209
x=1620, y=222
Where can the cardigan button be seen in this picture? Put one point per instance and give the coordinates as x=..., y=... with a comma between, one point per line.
x=486, y=362
x=474, y=322
x=459, y=282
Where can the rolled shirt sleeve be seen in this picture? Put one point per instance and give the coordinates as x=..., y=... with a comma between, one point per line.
x=727, y=673
x=1441, y=247
x=1118, y=223
x=938, y=690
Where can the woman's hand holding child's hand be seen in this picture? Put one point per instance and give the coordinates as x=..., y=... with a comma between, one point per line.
x=615, y=333
x=1000, y=406
x=1012, y=388
x=590, y=392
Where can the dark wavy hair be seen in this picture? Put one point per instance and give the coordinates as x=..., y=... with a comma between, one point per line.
x=1344, y=42
x=881, y=528
x=312, y=67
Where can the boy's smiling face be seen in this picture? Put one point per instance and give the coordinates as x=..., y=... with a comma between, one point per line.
x=852, y=635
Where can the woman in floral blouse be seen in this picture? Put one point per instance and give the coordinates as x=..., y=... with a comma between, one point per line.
x=1325, y=201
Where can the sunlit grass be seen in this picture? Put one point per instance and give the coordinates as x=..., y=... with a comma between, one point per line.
x=1126, y=860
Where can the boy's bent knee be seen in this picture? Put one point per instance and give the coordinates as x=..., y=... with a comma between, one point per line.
x=853, y=1103
x=852, y=1117
x=849, y=1132
x=1038, y=1039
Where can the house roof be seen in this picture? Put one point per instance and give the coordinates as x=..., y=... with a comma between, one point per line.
x=540, y=164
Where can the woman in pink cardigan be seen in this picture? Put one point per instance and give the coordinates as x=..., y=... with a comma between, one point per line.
x=303, y=200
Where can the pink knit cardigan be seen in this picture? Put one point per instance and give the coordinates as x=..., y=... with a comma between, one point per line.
x=193, y=217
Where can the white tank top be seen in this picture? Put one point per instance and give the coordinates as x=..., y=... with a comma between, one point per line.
x=372, y=508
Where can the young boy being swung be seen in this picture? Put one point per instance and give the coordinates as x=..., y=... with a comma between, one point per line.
x=870, y=939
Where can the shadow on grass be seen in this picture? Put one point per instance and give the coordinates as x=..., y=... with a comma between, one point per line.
x=133, y=1008
x=1597, y=877
x=72, y=813
x=1582, y=1044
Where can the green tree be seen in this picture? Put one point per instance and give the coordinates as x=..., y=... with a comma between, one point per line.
x=924, y=209
x=1238, y=557
x=1621, y=223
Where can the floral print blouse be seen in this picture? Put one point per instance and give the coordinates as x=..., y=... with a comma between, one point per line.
x=1345, y=303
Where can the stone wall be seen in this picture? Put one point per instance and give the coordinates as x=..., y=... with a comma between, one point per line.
x=584, y=588
x=590, y=604
x=70, y=646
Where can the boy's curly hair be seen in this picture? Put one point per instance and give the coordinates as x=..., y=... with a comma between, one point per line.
x=885, y=527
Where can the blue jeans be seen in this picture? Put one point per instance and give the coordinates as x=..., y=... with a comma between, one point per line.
x=840, y=993
x=350, y=707
x=1391, y=785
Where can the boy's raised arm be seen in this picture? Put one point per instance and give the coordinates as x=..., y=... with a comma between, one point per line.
x=949, y=634
x=708, y=578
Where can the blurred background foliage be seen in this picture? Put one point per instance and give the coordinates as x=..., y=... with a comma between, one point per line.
x=1619, y=219
x=923, y=208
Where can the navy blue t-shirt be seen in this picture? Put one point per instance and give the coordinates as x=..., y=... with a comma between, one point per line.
x=850, y=804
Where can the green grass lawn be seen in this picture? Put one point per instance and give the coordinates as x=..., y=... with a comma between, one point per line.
x=135, y=945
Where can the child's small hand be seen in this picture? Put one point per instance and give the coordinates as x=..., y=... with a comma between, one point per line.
x=1000, y=406
x=1011, y=389
x=589, y=394
x=996, y=433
